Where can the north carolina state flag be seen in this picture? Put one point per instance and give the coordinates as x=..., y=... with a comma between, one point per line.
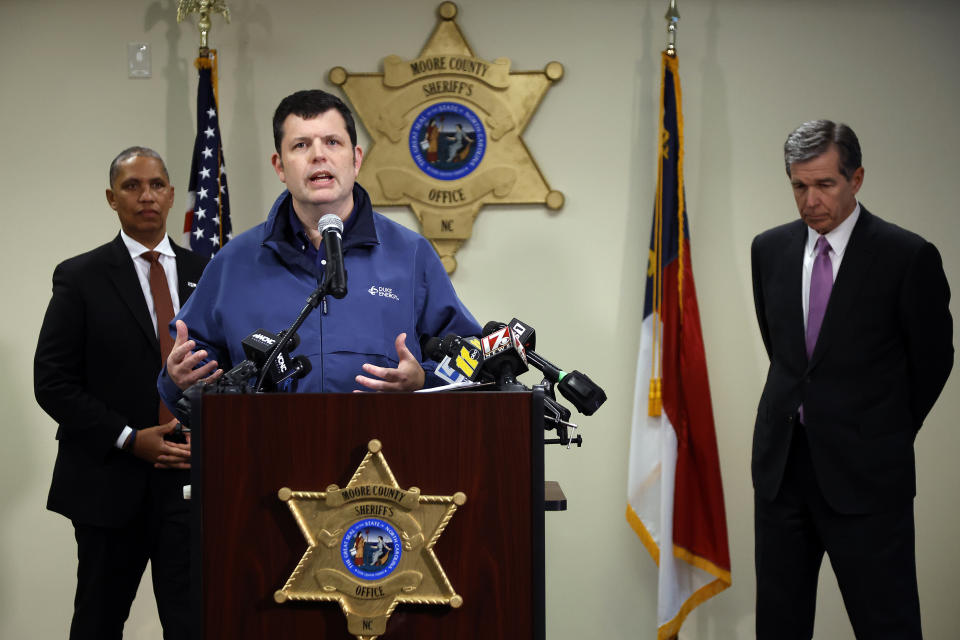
x=674, y=490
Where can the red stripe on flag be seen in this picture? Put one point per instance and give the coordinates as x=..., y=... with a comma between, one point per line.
x=699, y=518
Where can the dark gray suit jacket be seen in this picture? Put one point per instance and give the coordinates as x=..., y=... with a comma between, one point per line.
x=884, y=352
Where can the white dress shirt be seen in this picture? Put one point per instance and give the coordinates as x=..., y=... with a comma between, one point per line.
x=168, y=260
x=838, y=239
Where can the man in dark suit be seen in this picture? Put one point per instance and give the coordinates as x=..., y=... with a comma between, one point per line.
x=854, y=314
x=119, y=475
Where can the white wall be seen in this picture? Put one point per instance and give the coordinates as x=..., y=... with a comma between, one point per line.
x=751, y=70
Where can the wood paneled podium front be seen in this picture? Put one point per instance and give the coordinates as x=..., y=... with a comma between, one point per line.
x=486, y=445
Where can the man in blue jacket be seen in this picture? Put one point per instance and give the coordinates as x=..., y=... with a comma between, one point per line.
x=399, y=292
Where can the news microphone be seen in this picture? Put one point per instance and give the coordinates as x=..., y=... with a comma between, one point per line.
x=525, y=333
x=459, y=358
x=465, y=355
x=584, y=393
x=257, y=348
x=292, y=369
x=503, y=355
x=575, y=386
x=331, y=228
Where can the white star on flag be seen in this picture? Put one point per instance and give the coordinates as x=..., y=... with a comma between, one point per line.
x=207, y=215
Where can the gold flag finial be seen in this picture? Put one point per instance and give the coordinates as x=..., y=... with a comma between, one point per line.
x=672, y=17
x=203, y=8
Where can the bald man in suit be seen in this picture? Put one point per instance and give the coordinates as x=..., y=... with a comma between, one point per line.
x=854, y=314
x=118, y=477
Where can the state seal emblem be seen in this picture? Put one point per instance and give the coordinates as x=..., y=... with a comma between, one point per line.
x=371, y=549
x=447, y=141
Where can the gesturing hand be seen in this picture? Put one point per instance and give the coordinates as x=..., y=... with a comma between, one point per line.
x=183, y=359
x=408, y=376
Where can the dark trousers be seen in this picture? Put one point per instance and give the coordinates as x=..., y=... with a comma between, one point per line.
x=111, y=561
x=872, y=556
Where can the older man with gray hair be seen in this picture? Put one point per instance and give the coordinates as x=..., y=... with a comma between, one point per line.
x=854, y=314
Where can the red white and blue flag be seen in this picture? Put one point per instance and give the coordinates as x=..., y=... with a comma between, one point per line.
x=207, y=221
x=674, y=490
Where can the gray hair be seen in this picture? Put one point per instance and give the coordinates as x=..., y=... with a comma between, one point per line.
x=135, y=152
x=814, y=138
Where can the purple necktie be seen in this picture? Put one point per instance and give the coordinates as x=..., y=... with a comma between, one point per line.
x=821, y=282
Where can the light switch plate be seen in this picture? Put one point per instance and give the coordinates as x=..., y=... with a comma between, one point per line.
x=138, y=60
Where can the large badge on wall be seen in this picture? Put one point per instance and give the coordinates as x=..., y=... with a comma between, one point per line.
x=370, y=546
x=446, y=129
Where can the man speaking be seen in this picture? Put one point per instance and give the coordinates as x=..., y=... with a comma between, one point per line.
x=398, y=290
x=854, y=314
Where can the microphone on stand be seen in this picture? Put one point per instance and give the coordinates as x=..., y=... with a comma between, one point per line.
x=331, y=228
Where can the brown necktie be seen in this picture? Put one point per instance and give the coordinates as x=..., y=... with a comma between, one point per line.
x=163, y=306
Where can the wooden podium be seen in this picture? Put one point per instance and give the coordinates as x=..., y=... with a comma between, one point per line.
x=487, y=445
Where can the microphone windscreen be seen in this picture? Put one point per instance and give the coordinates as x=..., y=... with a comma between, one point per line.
x=431, y=349
x=491, y=326
x=330, y=221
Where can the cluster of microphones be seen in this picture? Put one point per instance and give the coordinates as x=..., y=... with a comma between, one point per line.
x=495, y=359
x=506, y=351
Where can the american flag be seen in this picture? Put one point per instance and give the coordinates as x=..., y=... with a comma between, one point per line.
x=208, y=217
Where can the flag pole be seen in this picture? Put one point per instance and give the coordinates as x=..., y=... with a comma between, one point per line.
x=207, y=60
x=655, y=402
x=673, y=18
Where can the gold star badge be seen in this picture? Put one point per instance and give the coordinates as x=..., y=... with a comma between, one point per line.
x=370, y=546
x=446, y=129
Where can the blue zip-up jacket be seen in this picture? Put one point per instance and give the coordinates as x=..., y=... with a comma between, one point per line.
x=260, y=280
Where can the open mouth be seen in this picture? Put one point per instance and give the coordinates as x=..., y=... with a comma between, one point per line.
x=321, y=177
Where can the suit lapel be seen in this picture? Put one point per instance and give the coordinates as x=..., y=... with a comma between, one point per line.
x=186, y=276
x=857, y=258
x=793, y=275
x=122, y=273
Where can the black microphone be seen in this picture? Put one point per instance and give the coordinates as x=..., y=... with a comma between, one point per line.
x=525, y=333
x=463, y=355
x=584, y=393
x=284, y=369
x=257, y=348
x=503, y=354
x=577, y=387
x=331, y=227
x=431, y=349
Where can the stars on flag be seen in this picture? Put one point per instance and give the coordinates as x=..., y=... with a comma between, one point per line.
x=208, y=221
